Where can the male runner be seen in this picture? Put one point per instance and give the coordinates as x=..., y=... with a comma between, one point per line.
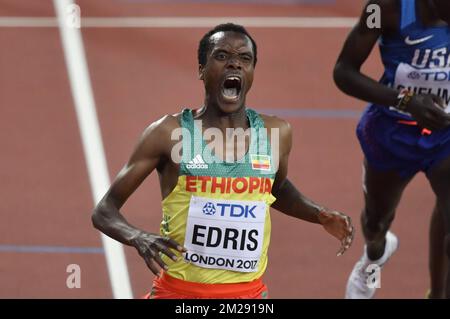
x=405, y=129
x=215, y=228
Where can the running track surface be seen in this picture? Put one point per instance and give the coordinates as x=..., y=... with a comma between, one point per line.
x=140, y=74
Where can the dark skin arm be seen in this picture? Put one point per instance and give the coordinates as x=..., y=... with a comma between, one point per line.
x=293, y=203
x=427, y=109
x=153, y=147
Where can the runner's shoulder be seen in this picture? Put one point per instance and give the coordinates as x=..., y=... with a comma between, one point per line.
x=272, y=121
x=160, y=131
x=389, y=10
x=165, y=124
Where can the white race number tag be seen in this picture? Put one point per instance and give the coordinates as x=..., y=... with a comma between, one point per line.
x=225, y=234
x=424, y=81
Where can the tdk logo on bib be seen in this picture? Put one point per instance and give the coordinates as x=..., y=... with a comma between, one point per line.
x=209, y=209
x=438, y=76
x=231, y=210
x=414, y=75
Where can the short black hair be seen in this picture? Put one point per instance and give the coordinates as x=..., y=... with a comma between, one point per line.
x=205, y=43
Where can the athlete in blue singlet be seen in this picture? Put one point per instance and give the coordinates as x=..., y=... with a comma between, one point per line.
x=405, y=129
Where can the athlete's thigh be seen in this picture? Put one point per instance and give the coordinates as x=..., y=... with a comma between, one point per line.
x=382, y=190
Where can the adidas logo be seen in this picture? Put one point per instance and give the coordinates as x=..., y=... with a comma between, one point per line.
x=197, y=163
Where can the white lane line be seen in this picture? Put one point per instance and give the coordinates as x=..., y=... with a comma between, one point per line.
x=186, y=22
x=28, y=22
x=92, y=142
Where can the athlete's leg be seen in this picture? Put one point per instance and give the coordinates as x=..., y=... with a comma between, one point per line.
x=437, y=261
x=387, y=171
x=439, y=177
x=382, y=193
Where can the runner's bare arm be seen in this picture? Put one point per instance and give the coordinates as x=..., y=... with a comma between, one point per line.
x=293, y=203
x=357, y=47
x=289, y=200
x=152, y=148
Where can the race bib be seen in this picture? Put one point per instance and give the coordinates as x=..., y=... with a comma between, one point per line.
x=424, y=81
x=225, y=234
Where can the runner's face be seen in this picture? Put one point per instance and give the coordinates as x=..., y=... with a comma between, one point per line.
x=443, y=9
x=228, y=73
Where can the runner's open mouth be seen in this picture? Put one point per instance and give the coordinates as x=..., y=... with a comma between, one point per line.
x=231, y=88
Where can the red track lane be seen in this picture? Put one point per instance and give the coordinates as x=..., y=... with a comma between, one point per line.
x=138, y=75
x=46, y=197
x=108, y=8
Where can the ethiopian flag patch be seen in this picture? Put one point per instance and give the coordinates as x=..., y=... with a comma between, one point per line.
x=260, y=162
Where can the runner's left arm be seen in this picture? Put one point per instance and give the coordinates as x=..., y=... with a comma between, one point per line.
x=291, y=202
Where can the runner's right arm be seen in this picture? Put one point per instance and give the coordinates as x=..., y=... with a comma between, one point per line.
x=357, y=47
x=152, y=149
